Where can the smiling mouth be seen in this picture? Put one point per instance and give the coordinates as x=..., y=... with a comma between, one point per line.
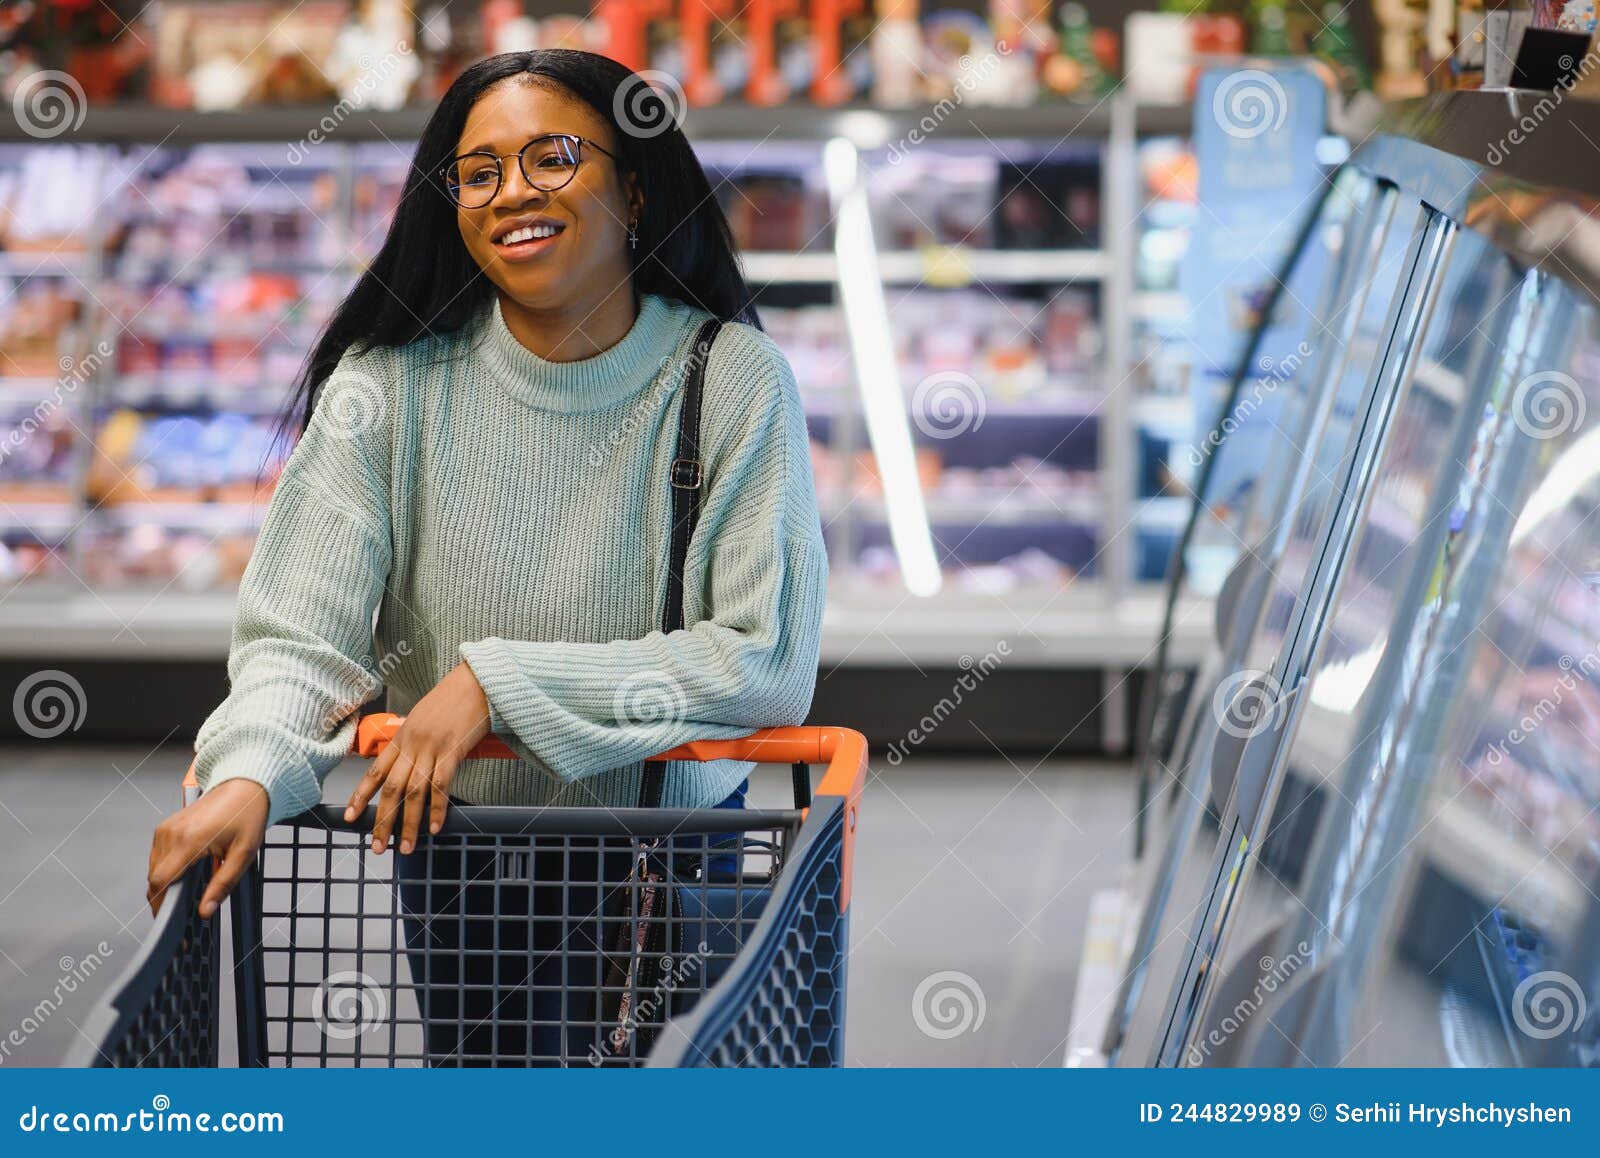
x=528, y=240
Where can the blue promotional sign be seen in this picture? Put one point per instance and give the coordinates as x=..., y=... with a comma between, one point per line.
x=1255, y=138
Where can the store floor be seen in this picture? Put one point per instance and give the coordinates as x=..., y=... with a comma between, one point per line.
x=973, y=879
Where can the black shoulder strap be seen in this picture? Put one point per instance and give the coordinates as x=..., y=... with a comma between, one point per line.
x=686, y=477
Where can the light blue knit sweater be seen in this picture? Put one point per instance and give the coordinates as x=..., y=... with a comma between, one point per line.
x=464, y=498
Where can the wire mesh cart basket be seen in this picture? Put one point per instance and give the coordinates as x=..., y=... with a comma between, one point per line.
x=518, y=936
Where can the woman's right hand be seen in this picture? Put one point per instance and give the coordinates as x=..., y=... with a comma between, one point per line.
x=229, y=821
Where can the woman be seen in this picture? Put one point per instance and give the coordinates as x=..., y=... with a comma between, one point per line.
x=488, y=426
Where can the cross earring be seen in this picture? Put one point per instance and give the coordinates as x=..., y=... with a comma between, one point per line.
x=633, y=237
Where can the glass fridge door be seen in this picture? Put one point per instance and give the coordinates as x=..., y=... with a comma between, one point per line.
x=1362, y=662
x=1455, y=914
x=1310, y=330
x=1382, y=301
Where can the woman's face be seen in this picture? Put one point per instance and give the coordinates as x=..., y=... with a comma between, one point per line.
x=586, y=256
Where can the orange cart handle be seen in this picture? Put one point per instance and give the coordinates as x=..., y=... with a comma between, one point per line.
x=844, y=751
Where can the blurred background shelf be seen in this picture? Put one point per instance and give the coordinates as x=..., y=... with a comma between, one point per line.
x=1027, y=393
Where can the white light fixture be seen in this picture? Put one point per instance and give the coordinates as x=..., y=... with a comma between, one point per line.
x=877, y=375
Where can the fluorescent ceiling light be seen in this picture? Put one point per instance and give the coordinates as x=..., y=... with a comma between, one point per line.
x=877, y=376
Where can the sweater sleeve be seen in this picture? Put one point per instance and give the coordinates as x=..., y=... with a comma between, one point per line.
x=300, y=663
x=755, y=584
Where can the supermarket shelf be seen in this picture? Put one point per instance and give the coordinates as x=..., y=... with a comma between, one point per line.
x=150, y=124
x=43, y=263
x=44, y=519
x=954, y=266
x=189, y=516
x=1041, y=628
x=1005, y=508
x=789, y=268
x=938, y=266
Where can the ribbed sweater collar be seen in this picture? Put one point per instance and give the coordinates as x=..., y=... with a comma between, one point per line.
x=616, y=373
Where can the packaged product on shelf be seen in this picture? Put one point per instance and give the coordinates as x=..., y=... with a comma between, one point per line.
x=23, y=558
x=373, y=63
x=959, y=56
x=1271, y=36
x=1074, y=69
x=50, y=201
x=1159, y=54
x=148, y=554
x=1051, y=205
x=1071, y=338
x=923, y=199
x=773, y=211
x=38, y=452
x=35, y=320
x=625, y=30
x=1023, y=41
x=1030, y=567
x=715, y=52
x=182, y=458
x=897, y=54
x=230, y=54
x=1400, y=48
x=781, y=51
x=845, y=33
x=812, y=339
x=868, y=483
x=665, y=45
x=571, y=31
x=1335, y=42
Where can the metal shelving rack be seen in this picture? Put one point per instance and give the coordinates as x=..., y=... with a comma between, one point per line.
x=1108, y=623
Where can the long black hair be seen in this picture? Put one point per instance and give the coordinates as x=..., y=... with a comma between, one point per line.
x=422, y=285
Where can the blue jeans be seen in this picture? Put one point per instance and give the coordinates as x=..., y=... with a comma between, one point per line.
x=507, y=947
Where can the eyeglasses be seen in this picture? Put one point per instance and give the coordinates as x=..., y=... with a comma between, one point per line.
x=472, y=180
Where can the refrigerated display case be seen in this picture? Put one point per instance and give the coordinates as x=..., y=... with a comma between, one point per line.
x=1392, y=858
x=220, y=247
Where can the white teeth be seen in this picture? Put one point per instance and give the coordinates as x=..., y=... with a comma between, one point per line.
x=528, y=233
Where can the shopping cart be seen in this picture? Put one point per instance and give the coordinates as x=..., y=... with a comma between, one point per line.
x=518, y=936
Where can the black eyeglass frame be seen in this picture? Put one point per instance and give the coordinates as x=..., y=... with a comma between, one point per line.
x=579, y=144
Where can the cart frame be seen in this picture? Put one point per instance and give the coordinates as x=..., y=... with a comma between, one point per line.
x=779, y=1002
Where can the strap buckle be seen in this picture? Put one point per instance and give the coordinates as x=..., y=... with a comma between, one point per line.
x=686, y=474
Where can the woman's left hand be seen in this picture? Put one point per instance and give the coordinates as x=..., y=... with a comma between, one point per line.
x=416, y=768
